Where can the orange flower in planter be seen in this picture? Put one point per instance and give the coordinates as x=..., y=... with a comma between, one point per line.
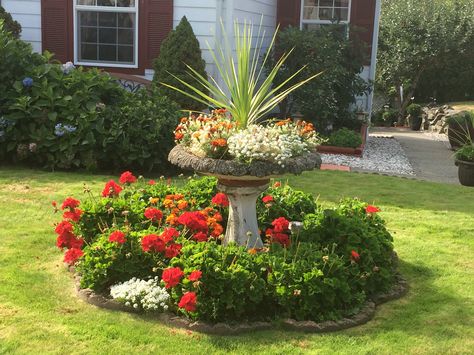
x=219, y=142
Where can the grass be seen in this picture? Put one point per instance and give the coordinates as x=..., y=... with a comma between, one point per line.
x=433, y=231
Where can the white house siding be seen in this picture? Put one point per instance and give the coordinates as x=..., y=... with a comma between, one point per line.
x=28, y=14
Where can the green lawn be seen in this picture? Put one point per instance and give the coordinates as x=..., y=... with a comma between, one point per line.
x=434, y=236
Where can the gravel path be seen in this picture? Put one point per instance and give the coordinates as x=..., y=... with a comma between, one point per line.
x=384, y=155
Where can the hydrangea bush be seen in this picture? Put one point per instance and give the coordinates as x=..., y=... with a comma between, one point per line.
x=154, y=246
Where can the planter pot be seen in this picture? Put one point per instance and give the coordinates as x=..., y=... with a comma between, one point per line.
x=242, y=183
x=465, y=172
x=415, y=123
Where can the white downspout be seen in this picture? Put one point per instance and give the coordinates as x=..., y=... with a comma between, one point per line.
x=373, y=60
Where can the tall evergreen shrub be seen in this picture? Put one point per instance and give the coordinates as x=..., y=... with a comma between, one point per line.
x=180, y=49
x=10, y=24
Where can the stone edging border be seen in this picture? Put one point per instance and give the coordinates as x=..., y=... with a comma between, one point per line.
x=365, y=315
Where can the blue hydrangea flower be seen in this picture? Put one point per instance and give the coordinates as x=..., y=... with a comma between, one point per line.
x=60, y=129
x=68, y=67
x=27, y=82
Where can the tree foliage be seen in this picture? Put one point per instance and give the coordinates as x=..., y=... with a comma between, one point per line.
x=10, y=24
x=181, y=48
x=417, y=36
x=325, y=100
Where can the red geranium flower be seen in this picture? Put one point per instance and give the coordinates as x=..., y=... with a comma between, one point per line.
x=69, y=203
x=355, y=256
x=64, y=227
x=172, y=276
x=169, y=234
x=151, y=182
x=194, y=221
x=372, y=209
x=111, y=189
x=127, y=178
x=200, y=237
x=195, y=275
x=117, y=237
x=188, y=301
x=220, y=199
x=173, y=250
x=280, y=224
x=267, y=199
x=281, y=238
x=74, y=215
x=72, y=255
x=153, y=243
x=153, y=214
x=69, y=241
x=277, y=184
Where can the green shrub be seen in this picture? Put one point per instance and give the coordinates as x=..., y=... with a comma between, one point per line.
x=390, y=117
x=139, y=132
x=341, y=256
x=9, y=23
x=179, y=50
x=345, y=138
x=414, y=110
x=325, y=100
x=466, y=153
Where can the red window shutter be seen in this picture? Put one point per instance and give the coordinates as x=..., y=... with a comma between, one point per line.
x=57, y=29
x=363, y=19
x=289, y=13
x=156, y=22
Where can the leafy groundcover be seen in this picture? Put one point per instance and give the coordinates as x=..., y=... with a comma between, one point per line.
x=156, y=247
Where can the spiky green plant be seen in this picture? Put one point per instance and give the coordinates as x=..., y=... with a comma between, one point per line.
x=246, y=93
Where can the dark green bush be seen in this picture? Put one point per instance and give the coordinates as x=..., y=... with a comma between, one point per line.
x=180, y=49
x=466, y=153
x=9, y=23
x=414, y=110
x=329, y=51
x=390, y=117
x=345, y=138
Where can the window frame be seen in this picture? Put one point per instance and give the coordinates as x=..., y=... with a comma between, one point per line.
x=323, y=22
x=114, y=9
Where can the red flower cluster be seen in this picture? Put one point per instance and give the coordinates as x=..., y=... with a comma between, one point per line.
x=372, y=209
x=117, y=237
x=195, y=275
x=220, y=199
x=355, y=256
x=162, y=243
x=153, y=214
x=194, y=221
x=279, y=232
x=127, y=178
x=70, y=203
x=188, y=301
x=200, y=237
x=111, y=189
x=267, y=199
x=172, y=276
x=66, y=238
x=280, y=225
x=72, y=255
x=73, y=215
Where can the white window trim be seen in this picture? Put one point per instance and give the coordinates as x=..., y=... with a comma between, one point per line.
x=105, y=9
x=323, y=22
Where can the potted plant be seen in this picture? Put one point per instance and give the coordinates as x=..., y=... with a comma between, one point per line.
x=232, y=143
x=415, y=111
x=460, y=129
x=465, y=163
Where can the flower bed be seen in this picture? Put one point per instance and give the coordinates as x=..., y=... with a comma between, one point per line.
x=358, y=152
x=156, y=247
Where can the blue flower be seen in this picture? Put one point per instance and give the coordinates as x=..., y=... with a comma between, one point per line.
x=68, y=67
x=27, y=82
x=60, y=129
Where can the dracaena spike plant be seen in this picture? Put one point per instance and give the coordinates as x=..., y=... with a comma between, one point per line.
x=246, y=92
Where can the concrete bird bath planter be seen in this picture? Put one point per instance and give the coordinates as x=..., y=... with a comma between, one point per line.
x=242, y=183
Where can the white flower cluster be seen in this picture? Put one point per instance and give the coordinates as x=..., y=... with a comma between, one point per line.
x=141, y=294
x=270, y=143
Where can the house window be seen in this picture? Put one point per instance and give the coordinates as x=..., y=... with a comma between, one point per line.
x=106, y=33
x=316, y=13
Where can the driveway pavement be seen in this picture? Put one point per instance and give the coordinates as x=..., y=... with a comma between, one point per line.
x=430, y=154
